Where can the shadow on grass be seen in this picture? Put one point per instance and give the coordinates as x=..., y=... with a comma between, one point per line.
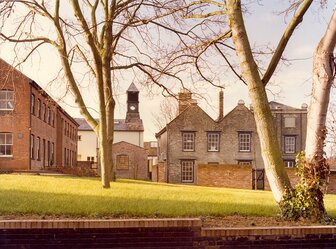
x=15, y=202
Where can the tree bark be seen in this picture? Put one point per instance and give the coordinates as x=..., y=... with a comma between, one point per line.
x=274, y=167
x=316, y=169
x=323, y=76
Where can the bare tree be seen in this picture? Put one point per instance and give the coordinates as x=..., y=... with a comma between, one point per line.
x=103, y=39
x=249, y=72
x=168, y=111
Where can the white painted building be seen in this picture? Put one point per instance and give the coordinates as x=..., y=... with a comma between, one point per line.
x=130, y=129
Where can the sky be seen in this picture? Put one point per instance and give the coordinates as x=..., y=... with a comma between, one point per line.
x=291, y=85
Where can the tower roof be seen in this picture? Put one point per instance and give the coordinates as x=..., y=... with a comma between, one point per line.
x=132, y=88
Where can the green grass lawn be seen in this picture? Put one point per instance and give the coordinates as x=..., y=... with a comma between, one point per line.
x=84, y=197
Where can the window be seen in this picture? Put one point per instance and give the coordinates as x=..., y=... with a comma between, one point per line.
x=213, y=141
x=32, y=104
x=122, y=162
x=44, y=151
x=49, y=154
x=289, y=122
x=79, y=137
x=187, y=171
x=48, y=115
x=32, y=143
x=52, y=154
x=65, y=127
x=290, y=142
x=289, y=163
x=188, y=141
x=244, y=141
x=65, y=156
x=153, y=144
x=244, y=162
x=44, y=110
x=6, y=144
x=52, y=119
x=38, y=108
x=6, y=100
x=38, y=148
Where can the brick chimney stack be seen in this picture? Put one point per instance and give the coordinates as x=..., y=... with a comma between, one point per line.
x=221, y=105
x=184, y=100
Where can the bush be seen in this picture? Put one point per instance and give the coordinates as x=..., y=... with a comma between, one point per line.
x=306, y=199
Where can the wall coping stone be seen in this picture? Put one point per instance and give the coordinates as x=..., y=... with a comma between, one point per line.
x=297, y=231
x=109, y=223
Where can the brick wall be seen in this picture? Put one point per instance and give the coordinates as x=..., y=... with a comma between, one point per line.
x=240, y=176
x=137, y=157
x=332, y=183
x=158, y=172
x=157, y=233
x=16, y=121
x=228, y=176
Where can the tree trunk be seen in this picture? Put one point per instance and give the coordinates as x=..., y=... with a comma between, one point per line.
x=274, y=167
x=316, y=169
x=323, y=76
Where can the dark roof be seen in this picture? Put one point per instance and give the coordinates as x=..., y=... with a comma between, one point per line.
x=119, y=125
x=132, y=88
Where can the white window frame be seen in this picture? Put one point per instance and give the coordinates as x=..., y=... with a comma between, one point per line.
x=188, y=141
x=213, y=141
x=8, y=100
x=244, y=141
x=290, y=144
x=7, y=143
x=289, y=163
x=187, y=171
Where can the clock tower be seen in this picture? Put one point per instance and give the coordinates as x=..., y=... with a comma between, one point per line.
x=132, y=114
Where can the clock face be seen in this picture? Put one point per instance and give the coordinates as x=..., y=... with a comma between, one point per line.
x=132, y=107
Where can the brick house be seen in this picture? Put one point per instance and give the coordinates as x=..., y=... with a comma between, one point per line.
x=193, y=138
x=130, y=161
x=128, y=137
x=35, y=132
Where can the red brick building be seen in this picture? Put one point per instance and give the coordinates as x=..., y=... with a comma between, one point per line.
x=130, y=161
x=35, y=132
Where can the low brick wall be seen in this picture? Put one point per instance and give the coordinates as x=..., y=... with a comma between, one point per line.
x=142, y=233
x=332, y=183
x=157, y=233
x=240, y=176
x=292, y=177
x=228, y=176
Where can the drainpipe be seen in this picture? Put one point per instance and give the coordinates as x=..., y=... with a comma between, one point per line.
x=30, y=125
x=167, y=154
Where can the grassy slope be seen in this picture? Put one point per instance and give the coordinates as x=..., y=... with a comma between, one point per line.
x=76, y=197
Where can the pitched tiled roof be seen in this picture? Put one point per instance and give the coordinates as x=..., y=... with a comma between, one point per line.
x=119, y=125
